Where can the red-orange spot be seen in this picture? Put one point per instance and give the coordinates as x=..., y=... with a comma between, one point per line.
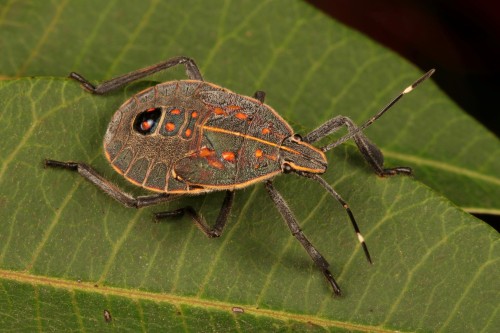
x=216, y=164
x=150, y=109
x=259, y=153
x=266, y=131
x=241, y=116
x=175, y=111
x=228, y=156
x=272, y=157
x=219, y=111
x=170, y=127
x=145, y=125
x=206, y=152
x=234, y=107
x=194, y=114
x=188, y=132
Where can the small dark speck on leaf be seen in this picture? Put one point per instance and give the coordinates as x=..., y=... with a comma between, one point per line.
x=107, y=316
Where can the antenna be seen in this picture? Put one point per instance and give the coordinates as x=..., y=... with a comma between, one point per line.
x=379, y=114
x=344, y=204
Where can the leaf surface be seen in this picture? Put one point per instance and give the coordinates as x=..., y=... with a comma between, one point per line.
x=435, y=266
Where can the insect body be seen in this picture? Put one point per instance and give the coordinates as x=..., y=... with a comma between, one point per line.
x=190, y=137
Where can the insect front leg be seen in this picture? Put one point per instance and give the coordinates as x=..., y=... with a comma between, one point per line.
x=126, y=199
x=191, y=69
x=371, y=153
x=291, y=221
x=200, y=222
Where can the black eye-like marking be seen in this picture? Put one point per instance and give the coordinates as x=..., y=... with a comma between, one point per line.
x=145, y=123
x=286, y=167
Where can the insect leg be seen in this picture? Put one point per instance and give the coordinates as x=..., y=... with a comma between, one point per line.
x=368, y=149
x=291, y=221
x=260, y=96
x=87, y=172
x=200, y=222
x=191, y=69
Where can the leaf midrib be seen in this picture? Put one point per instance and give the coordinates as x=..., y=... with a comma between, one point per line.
x=71, y=286
x=442, y=166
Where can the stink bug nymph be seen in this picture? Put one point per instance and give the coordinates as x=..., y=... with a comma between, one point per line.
x=191, y=137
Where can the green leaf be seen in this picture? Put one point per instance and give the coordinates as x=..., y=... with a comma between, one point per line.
x=311, y=67
x=68, y=251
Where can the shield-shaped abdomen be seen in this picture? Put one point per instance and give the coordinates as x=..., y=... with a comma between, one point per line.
x=192, y=136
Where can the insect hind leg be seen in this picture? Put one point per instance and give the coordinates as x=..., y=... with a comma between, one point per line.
x=370, y=152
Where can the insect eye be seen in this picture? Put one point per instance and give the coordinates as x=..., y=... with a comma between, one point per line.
x=146, y=121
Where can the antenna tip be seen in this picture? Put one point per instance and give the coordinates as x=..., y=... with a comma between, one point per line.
x=428, y=74
x=416, y=83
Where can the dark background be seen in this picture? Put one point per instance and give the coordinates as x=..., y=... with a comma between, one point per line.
x=460, y=38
